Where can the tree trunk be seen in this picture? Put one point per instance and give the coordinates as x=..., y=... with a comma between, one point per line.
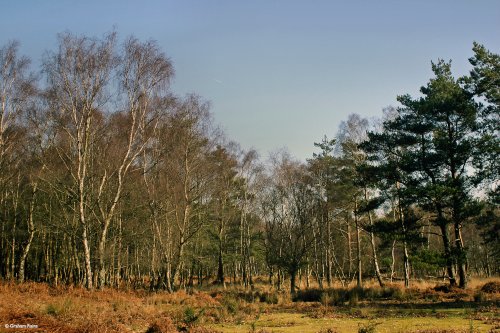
x=447, y=253
x=220, y=268
x=118, y=275
x=176, y=267
x=393, y=259
x=374, y=248
x=88, y=267
x=462, y=260
x=31, y=230
x=406, y=263
x=359, y=275
x=406, y=258
x=349, y=247
x=102, y=269
x=293, y=277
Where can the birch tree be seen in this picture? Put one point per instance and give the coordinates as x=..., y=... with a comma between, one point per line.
x=78, y=76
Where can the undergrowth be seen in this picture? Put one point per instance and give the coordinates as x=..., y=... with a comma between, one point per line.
x=72, y=309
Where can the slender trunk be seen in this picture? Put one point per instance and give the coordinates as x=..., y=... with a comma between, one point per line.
x=447, y=253
x=462, y=260
x=242, y=249
x=317, y=259
x=393, y=259
x=76, y=262
x=14, y=228
x=183, y=227
x=176, y=268
x=406, y=257
x=374, y=248
x=488, y=267
x=375, y=260
x=359, y=275
x=86, y=253
x=220, y=268
x=13, y=251
x=349, y=247
x=221, y=231
x=248, y=260
x=308, y=274
x=118, y=274
x=83, y=159
x=3, y=244
x=393, y=249
x=406, y=263
x=101, y=249
x=22, y=261
x=293, y=277
x=31, y=230
x=329, y=252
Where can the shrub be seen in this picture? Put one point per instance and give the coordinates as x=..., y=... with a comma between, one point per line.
x=392, y=293
x=230, y=304
x=52, y=310
x=480, y=297
x=409, y=294
x=308, y=295
x=491, y=287
x=442, y=288
x=190, y=316
x=59, y=308
x=248, y=297
x=370, y=293
x=326, y=299
x=354, y=295
x=339, y=296
x=165, y=326
x=269, y=297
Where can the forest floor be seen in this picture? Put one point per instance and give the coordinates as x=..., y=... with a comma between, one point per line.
x=425, y=308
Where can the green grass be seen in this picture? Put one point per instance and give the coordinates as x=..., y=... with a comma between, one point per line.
x=451, y=320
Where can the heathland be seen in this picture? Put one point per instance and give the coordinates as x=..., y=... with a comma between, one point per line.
x=426, y=307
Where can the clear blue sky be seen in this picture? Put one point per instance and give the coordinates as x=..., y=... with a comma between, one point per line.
x=278, y=73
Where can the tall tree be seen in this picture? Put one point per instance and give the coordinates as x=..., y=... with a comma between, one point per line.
x=351, y=134
x=249, y=174
x=144, y=73
x=484, y=83
x=16, y=92
x=190, y=139
x=436, y=135
x=289, y=216
x=223, y=166
x=78, y=75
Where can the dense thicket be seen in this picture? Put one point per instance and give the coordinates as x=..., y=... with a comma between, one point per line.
x=107, y=178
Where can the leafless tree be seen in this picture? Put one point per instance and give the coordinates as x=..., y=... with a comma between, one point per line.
x=78, y=77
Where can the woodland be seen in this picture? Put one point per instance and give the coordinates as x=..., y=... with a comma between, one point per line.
x=110, y=180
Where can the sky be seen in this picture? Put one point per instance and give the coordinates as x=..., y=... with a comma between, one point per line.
x=278, y=73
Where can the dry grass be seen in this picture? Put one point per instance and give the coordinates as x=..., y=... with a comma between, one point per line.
x=76, y=310
x=66, y=309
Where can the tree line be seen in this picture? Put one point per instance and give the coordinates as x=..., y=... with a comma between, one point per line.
x=107, y=178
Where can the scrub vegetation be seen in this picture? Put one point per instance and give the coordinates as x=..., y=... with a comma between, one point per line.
x=426, y=307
